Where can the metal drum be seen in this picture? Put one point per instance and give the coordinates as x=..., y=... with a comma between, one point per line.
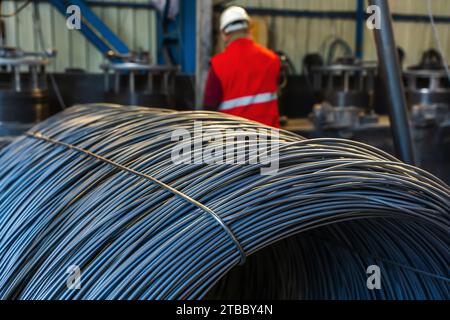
x=346, y=91
x=135, y=80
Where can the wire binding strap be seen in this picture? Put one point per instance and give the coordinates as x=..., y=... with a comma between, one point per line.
x=39, y=136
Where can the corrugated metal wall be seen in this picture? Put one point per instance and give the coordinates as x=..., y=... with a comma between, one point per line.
x=295, y=36
x=136, y=27
x=414, y=38
x=298, y=36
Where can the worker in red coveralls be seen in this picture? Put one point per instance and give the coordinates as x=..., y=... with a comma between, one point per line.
x=243, y=80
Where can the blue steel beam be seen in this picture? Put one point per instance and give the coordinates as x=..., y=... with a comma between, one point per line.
x=87, y=32
x=188, y=35
x=93, y=28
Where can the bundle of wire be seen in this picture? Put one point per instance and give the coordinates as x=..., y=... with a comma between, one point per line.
x=95, y=187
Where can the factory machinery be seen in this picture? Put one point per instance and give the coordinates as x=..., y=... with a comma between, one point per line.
x=129, y=77
x=23, y=91
x=342, y=97
x=428, y=89
x=346, y=89
x=121, y=84
x=346, y=99
x=95, y=188
x=349, y=96
x=27, y=98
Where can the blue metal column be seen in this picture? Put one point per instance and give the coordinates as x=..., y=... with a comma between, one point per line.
x=188, y=35
x=359, y=34
x=176, y=38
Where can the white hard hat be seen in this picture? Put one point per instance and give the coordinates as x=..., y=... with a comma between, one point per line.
x=230, y=18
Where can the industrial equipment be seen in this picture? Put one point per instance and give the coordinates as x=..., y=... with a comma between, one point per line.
x=126, y=68
x=23, y=90
x=133, y=72
x=360, y=167
x=428, y=91
x=346, y=89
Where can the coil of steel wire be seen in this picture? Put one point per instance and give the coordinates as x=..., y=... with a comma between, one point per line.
x=95, y=187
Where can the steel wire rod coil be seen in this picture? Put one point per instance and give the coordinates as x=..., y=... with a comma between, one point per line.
x=95, y=187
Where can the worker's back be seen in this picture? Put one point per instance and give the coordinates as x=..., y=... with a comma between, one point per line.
x=249, y=76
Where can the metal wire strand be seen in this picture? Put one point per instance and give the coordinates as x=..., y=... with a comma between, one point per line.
x=95, y=187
